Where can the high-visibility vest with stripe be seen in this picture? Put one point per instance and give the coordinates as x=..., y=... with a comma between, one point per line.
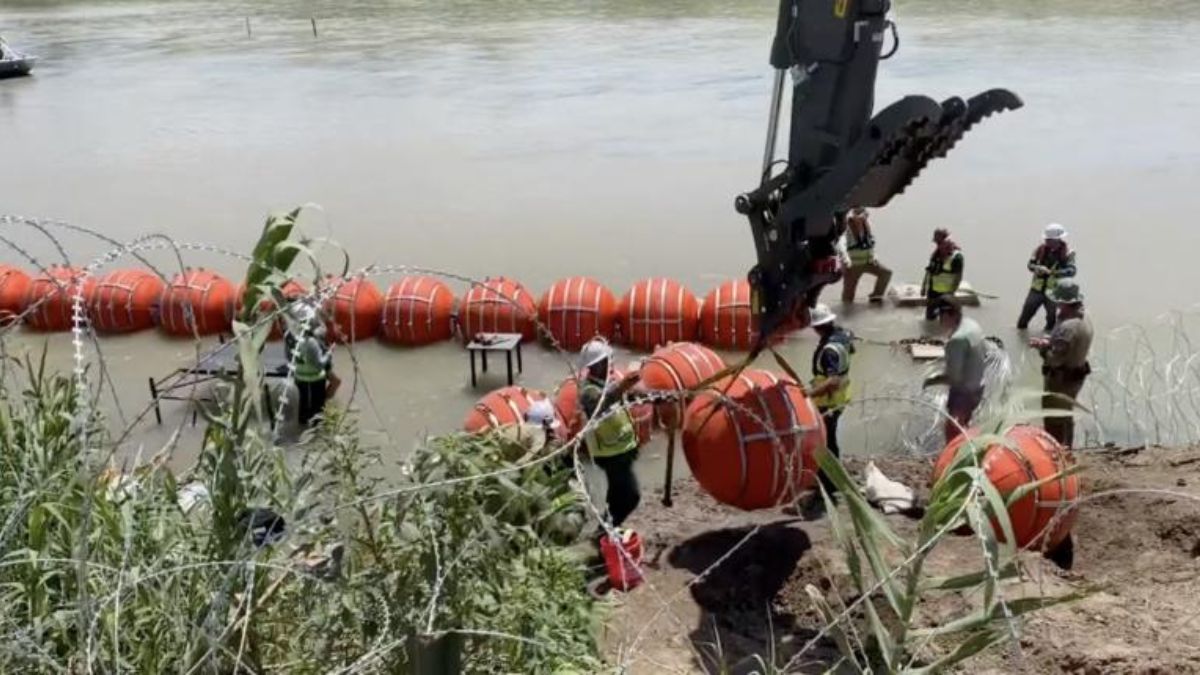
x=942, y=278
x=839, y=342
x=861, y=251
x=1061, y=267
x=615, y=434
x=307, y=369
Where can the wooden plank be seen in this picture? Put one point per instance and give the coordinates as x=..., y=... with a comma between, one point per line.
x=909, y=295
x=923, y=352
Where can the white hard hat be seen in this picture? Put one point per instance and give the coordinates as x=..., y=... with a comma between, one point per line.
x=541, y=411
x=595, y=351
x=821, y=315
x=1054, y=232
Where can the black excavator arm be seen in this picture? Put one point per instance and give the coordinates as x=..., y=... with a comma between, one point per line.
x=839, y=155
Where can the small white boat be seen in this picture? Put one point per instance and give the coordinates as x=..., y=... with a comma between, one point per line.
x=13, y=63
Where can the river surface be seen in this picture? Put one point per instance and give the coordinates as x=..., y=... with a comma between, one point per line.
x=542, y=139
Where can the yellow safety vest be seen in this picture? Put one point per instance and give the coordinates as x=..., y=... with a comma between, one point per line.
x=943, y=280
x=861, y=251
x=840, y=397
x=614, y=435
x=1047, y=284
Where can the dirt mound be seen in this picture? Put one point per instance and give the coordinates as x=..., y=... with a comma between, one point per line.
x=726, y=588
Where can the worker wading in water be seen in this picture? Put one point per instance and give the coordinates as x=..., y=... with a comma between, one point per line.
x=860, y=249
x=830, y=390
x=306, y=344
x=1051, y=262
x=964, y=370
x=943, y=275
x=613, y=441
x=1064, y=360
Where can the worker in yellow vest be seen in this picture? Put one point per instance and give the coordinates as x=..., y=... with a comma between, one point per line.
x=613, y=440
x=1052, y=261
x=860, y=249
x=830, y=390
x=943, y=275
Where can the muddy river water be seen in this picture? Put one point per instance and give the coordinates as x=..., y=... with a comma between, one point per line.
x=542, y=139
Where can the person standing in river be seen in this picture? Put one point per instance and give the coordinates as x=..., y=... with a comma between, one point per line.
x=1064, y=361
x=860, y=249
x=307, y=346
x=964, y=370
x=1051, y=262
x=943, y=274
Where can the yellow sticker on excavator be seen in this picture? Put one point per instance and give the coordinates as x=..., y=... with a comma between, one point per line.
x=839, y=8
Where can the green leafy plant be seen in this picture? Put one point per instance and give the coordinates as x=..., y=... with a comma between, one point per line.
x=888, y=571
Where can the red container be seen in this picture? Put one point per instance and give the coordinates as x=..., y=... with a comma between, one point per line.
x=623, y=559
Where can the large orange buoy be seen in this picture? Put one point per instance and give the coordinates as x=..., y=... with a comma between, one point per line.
x=50, y=298
x=291, y=290
x=418, y=310
x=125, y=301
x=566, y=402
x=197, y=302
x=656, y=312
x=576, y=310
x=355, y=310
x=1034, y=456
x=14, y=284
x=726, y=321
x=677, y=368
x=501, y=407
x=756, y=449
x=498, y=305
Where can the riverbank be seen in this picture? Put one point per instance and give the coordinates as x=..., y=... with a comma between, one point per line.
x=1137, y=546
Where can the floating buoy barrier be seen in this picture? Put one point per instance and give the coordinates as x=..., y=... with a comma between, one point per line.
x=125, y=301
x=726, y=319
x=1030, y=456
x=14, y=284
x=501, y=407
x=498, y=305
x=566, y=402
x=577, y=309
x=418, y=310
x=50, y=296
x=355, y=310
x=678, y=368
x=656, y=312
x=197, y=302
x=291, y=290
x=756, y=448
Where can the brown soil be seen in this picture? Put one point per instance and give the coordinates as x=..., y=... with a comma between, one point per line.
x=1139, y=551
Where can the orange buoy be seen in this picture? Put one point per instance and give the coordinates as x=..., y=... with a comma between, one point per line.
x=498, y=305
x=355, y=310
x=197, y=302
x=1034, y=456
x=566, y=402
x=14, y=284
x=576, y=310
x=501, y=407
x=51, y=296
x=726, y=321
x=291, y=290
x=418, y=310
x=125, y=301
x=677, y=368
x=757, y=449
x=656, y=312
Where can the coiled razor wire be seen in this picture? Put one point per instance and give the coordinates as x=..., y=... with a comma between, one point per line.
x=1143, y=390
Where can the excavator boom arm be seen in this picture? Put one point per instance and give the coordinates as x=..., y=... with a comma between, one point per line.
x=840, y=156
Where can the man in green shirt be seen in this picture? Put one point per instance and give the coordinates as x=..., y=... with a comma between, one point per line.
x=1064, y=360
x=965, y=367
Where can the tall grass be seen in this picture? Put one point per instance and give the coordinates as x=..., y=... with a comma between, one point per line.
x=459, y=569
